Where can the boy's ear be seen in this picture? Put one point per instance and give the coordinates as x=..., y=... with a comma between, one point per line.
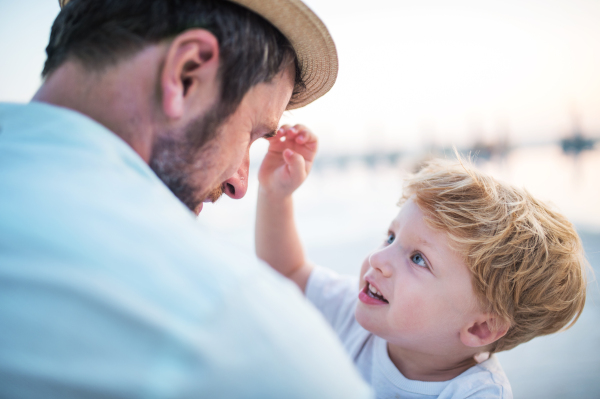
x=483, y=331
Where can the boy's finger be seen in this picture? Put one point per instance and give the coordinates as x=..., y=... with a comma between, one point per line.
x=284, y=133
x=276, y=137
x=305, y=135
x=288, y=130
x=291, y=133
x=299, y=127
x=295, y=163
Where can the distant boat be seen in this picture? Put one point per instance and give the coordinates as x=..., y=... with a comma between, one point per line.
x=576, y=144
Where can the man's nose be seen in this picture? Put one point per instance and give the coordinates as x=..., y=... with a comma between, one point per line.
x=380, y=260
x=237, y=185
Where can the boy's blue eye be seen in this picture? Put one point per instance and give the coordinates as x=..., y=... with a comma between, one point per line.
x=418, y=259
x=390, y=238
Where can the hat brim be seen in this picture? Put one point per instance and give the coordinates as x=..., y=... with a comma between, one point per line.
x=310, y=38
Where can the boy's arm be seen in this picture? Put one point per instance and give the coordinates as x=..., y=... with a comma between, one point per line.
x=277, y=241
x=284, y=168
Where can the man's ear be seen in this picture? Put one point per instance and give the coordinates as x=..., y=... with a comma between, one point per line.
x=190, y=70
x=483, y=331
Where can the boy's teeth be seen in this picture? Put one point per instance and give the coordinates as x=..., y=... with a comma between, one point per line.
x=376, y=294
x=374, y=290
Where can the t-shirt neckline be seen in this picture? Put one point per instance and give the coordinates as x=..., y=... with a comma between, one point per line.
x=389, y=370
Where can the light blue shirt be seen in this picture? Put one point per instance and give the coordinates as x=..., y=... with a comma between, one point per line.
x=109, y=287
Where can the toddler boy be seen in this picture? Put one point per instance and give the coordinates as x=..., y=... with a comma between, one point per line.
x=469, y=267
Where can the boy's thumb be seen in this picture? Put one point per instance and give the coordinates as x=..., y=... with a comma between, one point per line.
x=295, y=163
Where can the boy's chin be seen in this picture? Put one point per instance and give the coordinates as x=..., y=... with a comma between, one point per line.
x=362, y=316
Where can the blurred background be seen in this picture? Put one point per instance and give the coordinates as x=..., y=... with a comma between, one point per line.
x=515, y=84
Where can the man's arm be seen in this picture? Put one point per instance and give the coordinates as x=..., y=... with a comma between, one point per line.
x=283, y=170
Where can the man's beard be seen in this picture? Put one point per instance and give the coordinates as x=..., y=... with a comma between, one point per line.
x=176, y=160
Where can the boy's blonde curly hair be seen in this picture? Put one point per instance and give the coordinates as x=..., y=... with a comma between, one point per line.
x=526, y=259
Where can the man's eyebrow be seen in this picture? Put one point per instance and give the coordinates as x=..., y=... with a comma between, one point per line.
x=271, y=134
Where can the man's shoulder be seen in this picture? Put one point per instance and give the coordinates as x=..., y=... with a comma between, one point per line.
x=76, y=196
x=44, y=134
x=77, y=187
x=121, y=277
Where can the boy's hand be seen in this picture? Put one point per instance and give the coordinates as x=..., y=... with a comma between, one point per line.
x=287, y=162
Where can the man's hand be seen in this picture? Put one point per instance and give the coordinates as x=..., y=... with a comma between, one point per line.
x=288, y=161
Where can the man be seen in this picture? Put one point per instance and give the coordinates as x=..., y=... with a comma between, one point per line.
x=108, y=287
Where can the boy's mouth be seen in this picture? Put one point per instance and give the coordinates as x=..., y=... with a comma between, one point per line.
x=371, y=295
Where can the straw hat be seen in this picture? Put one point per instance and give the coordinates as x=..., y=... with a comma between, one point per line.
x=308, y=35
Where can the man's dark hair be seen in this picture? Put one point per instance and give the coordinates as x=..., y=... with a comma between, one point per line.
x=100, y=33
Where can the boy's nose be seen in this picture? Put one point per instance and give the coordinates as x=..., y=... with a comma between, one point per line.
x=380, y=260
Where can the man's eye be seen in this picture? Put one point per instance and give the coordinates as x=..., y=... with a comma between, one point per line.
x=418, y=259
x=390, y=238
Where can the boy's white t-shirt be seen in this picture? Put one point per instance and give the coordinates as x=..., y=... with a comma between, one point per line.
x=336, y=297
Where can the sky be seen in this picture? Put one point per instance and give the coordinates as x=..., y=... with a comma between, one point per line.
x=412, y=73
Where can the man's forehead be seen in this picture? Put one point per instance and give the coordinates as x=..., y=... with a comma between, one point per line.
x=272, y=123
x=271, y=99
